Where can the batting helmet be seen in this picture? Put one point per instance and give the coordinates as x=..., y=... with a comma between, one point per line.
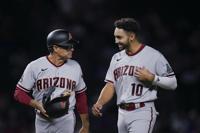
x=61, y=38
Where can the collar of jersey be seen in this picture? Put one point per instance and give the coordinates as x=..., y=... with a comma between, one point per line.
x=54, y=64
x=140, y=49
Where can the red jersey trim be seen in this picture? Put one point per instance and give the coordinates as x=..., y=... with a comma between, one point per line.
x=170, y=75
x=53, y=63
x=109, y=81
x=22, y=88
x=150, y=123
x=80, y=91
x=140, y=49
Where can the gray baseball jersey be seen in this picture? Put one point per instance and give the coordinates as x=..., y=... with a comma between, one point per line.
x=121, y=74
x=40, y=74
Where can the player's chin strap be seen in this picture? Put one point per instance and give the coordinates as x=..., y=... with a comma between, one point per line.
x=168, y=83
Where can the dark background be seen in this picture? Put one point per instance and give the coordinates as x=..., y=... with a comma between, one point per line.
x=173, y=28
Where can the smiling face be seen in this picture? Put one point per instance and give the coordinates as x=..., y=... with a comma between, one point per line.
x=122, y=38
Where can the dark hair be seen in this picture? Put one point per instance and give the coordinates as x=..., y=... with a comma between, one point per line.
x=128, y=24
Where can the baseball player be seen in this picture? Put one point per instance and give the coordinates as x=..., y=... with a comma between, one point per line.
x=135, y=74
x=58, y=75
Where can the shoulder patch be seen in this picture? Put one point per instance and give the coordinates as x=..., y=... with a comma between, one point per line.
x=169, y=69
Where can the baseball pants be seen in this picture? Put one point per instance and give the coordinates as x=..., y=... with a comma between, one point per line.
x=140, y=120
x=64, y=124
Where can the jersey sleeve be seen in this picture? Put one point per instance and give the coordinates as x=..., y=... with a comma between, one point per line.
x=109, y=75
x=81, y=86
x=163, y=67
x=27, y=80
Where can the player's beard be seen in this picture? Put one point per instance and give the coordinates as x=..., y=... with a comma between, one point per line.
x=123, y=46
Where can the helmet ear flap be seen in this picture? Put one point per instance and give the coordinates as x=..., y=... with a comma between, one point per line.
x=50, y=48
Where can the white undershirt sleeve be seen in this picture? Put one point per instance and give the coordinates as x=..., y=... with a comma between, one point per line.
x=168, y=83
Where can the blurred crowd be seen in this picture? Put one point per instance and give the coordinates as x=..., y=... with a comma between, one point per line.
x=168, y=27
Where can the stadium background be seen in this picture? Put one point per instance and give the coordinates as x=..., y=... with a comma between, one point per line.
x=171, y=27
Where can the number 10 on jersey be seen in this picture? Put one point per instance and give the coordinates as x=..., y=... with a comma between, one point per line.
x=137, y=89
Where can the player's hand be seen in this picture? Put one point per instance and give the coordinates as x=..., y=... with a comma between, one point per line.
x=85, y=123
x=96, y=110
x=84, y=130
x=37, y=105
x=66, y=93
x=42, y=110
x=144, y=74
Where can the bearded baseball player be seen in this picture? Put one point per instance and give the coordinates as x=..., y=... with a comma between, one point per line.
x=135, y=74
x=57, y=84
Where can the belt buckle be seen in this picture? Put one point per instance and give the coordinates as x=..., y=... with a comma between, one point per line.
x=137, y=105
x=126, y=105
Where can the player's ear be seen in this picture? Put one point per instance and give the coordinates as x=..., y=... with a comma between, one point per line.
x=54, y=47
x=132, y=36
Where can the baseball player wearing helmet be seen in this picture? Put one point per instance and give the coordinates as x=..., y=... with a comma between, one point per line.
x=135, y=74
x=57, y=84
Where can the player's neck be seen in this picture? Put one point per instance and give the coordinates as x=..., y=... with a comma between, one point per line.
x=55, y=60
x=135, y=46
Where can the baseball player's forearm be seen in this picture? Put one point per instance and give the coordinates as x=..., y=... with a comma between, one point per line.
x=33, y=103
x=38, y=105
x=85, y=123
x=106, y=94
x=81, y=103
x=144, y=74
x=169, y=83
x=21, y=96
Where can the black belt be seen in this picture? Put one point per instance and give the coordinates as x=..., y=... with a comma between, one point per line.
x=131, y=106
